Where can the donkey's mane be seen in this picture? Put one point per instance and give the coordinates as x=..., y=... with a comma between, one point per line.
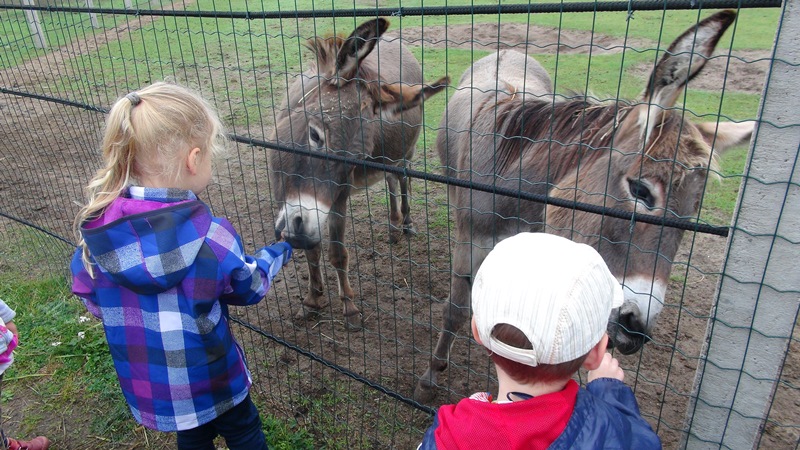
x=589, y=125
x=327, y=49
x=573, y=121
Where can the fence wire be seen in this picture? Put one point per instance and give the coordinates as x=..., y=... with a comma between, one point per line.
x=64, y=63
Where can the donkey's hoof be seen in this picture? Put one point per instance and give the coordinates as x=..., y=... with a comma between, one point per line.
x=353, y=322
x=424, y=392
x=309, y=313
x=395, y=234
x=409, y=230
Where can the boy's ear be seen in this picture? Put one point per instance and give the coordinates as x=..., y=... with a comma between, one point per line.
x=475, y=331
x=193, y=160
x=596, y=354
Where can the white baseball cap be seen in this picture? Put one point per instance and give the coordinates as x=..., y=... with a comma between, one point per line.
x=558, y=292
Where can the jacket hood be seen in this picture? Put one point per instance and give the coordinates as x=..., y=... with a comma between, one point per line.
x=151, y=251
x=530, y=424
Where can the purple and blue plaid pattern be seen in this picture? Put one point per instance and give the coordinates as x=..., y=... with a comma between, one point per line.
x=165, y=271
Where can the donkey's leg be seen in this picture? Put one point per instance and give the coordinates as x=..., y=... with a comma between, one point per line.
x=314, y=300
x=405, y=208
x=339, y=259
x=395, y=218
x=454, y=314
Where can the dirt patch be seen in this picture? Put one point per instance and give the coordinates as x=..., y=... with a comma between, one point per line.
x=525, y=38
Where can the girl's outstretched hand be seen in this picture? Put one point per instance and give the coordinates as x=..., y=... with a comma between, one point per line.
x=280, y=251
x=275, y=256
x=609, y=368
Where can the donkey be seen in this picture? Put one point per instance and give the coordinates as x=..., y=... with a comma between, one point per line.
x=362, y=99
x=505, y=127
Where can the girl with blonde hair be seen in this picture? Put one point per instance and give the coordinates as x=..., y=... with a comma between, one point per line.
x=159, y=270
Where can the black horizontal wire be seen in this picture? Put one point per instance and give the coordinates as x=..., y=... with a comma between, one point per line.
x=36, y=227
x=538, y=198
x=61, y=101
x=404, y=171
x=311, y=355
x=631, y=6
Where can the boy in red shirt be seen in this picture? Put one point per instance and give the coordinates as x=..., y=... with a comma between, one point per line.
x=540, y=306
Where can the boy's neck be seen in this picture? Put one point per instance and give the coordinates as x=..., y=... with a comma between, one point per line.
x=507, y=385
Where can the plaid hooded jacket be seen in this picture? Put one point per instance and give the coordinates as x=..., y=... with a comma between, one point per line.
x=164, y=271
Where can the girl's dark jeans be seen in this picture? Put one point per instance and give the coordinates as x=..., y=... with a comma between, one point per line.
x=240, y=426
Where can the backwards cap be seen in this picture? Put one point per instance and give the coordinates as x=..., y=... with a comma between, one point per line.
x=559, y=293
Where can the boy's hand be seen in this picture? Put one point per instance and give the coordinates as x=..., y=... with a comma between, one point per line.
x=609, y=368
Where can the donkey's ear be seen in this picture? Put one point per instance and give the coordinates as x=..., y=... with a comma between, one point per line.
x=684, y=59
x=396, y=97
x=358, y=45
x=724, y=135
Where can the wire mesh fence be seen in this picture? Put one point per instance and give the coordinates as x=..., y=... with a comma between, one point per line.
x=64, y=63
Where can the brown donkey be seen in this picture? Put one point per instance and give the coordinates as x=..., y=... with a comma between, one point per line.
x=360, y=100
x=505, y=127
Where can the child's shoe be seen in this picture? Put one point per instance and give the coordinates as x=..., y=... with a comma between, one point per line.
x=37, y=443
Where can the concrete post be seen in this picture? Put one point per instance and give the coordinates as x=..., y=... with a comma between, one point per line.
x=757, y=297
x=39, y=39
x=92, y=16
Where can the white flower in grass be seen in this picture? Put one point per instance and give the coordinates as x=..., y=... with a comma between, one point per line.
x=81, y=334
x=82, y=319
x=56, y=343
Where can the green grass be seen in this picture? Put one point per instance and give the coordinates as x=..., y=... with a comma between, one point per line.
x=342, y=414
x=60, y=29
x=282, y=437
x=58, y=345
x=721, y=195
x=653, y=25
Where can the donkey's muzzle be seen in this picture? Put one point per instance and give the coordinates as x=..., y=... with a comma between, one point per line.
x=302, y=242
x=627, y=345
x=299, y=241
x=627, y=331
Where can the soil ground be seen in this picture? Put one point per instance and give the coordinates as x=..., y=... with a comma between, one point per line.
x=48, y=154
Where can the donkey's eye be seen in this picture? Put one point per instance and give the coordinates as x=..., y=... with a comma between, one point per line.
x=314, y=137
x=642, y=193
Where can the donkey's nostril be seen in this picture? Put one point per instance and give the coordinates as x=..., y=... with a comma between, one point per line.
x=630, y=322
x=297, y=224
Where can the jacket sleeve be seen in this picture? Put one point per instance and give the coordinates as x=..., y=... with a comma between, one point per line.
x=247, y=277
x=6, y=313
x=620, y=396
x=429, y=439
x=83, y=285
